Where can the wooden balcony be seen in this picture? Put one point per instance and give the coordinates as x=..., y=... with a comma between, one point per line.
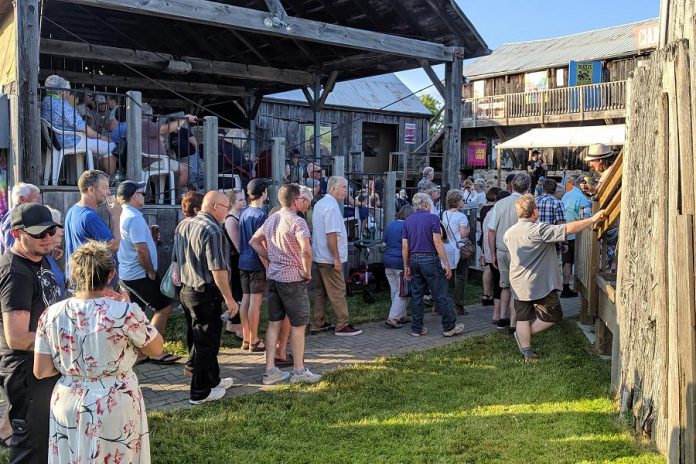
x=583, y=103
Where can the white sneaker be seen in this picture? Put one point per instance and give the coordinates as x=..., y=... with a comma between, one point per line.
x=456, y=330
x=215, y=394
x=274, y=375
x=305, y=377
x=226, y=383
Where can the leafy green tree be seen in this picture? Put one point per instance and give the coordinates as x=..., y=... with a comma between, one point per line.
x=433, y=105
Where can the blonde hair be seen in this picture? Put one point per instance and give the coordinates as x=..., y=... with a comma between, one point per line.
x=525, y=206
x=90, y=266
x=453, y=198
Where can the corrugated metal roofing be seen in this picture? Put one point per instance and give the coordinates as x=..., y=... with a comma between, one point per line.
x=386, y=93
x=610, y=42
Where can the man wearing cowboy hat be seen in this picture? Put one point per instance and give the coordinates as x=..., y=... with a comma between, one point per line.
x=600, y=158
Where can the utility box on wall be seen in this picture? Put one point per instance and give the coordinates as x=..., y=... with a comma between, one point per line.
x=4, y=122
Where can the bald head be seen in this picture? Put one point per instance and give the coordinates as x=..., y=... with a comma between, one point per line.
x=216, y=204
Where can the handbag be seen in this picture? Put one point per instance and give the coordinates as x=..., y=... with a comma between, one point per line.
x=465, y=247
x=170, y=281
x=404, y=285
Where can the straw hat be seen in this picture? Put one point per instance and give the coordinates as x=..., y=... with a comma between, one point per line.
x=598, y=151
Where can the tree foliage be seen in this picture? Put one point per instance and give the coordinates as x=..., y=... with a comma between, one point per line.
x=433, y=105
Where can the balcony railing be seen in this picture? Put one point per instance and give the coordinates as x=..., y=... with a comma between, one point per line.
x=595, y=99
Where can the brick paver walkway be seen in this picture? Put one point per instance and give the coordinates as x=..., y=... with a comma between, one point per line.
x=166, y=387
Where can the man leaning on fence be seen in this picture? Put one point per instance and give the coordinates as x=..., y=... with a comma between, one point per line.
x=423, y=253
x=534, y=275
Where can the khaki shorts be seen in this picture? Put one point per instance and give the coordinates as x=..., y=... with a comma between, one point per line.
x=504, y=267
x=547, y=309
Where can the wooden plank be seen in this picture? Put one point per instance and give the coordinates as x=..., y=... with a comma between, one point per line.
x=613, y=210
x=326, y=91
x=608, y=187
x=28, y=112
x=606, y=287
x=453, y=122
x=278, y=168
x=159, y=61
x=134, y=135
x=210, y=149
x=437, y=82
x=141, y=83
x=686, y=156
x=250, y=20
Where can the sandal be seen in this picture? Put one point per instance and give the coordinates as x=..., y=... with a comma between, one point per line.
x=257, y=347
x=287, y=362
x=393, y=323
x=5, y=442
x=245, y=345
x=165, y=360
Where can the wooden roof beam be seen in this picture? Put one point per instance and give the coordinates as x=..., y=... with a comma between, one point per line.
x=152, y=60
x=407, y=17
x=433, y=77
x=140, y=83
x=250, y=20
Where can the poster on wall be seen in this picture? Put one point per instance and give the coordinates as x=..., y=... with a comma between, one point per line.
x=505, y=158
x=584, y=73
x=476, y=153
x=409, y=133
x=325, y=141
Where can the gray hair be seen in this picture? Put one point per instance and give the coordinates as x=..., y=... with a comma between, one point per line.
x=427, y=171
x=453, y=198
x=430, y=187
x=23, y=189
x=521, y=182
x=306, y=192
x=420, y=201
x=481, y=183
x=334, y=181
x=56, y=82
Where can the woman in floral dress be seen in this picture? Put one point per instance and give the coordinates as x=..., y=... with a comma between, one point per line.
x=97, y=408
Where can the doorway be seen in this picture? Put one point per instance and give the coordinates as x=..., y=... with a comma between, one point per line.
x=378, y=140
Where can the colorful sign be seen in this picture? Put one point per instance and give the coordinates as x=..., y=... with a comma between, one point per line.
x=476, y=154
x=409, y=133
x=647, y=35
x=584, y=73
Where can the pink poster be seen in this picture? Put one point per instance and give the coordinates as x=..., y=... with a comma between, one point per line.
x=476, y=154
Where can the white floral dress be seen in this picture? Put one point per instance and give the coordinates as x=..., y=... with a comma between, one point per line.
x=97, y=408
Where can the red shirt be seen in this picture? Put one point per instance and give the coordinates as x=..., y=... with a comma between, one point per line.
x=283, y=231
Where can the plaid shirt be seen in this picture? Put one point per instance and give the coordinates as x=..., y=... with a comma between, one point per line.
x=283, y=232
x=551, y=210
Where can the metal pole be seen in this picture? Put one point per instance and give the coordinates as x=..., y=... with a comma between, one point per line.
x=252, y=139
x=210, y=152
x=134, y=139
x=277, y=169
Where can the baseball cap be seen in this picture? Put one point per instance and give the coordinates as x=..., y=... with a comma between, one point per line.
x=128, y=188
x=101, y=99
x=256, y=187
x=32, y=218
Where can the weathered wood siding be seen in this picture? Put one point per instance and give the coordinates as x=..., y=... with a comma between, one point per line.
x=289, y=120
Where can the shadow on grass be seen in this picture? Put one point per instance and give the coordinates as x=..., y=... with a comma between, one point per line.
x=471, y=402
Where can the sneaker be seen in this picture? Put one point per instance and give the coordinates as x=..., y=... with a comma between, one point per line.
x=324, y=328
x=275, y=375
x=461, y=310
x=568, y=294
x=421, y=333
x=406, y=320
x=503, y=323
x=531, y=357
x=305, y=377
x=456, y=330
x=511, y=330
x=393, y=323
x=226, y=383
x=215, y=394
x=348, y=331
x=428, y=301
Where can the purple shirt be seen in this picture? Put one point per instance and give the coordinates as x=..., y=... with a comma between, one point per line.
x=419, y=229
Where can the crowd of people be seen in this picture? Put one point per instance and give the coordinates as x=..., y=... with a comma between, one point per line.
x=73, y=333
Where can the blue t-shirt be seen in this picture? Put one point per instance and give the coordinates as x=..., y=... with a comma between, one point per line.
x=419, y=229
x=6, y=240
x=134, y=230
x=119, y=133
x=392, y=237
x=82, y=223
x=250, y=221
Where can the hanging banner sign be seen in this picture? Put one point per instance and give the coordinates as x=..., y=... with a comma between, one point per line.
x=476, y=154
x=409, y=133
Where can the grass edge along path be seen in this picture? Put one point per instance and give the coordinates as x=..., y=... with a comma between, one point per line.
x=468, y=402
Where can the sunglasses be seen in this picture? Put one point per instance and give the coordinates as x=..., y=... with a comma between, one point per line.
x=51, y=231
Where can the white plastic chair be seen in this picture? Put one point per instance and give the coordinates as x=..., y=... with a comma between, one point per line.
x=161, y=169
x=237, y=181
x=53, y=157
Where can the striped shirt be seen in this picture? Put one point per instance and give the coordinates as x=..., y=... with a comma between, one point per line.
x=551, y=210
x=284, y=231
x=199, y=248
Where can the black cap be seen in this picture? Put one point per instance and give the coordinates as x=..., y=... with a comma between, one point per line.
x=509, y=178
x=256, y=187
x=32, y=218
x=127, y=189
x=535, y=152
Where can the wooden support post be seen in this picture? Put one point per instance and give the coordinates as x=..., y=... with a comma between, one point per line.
x=134, y=139
x=339, y=165
x=316, y=111
x=277, y=169
x=453, y=121
x=210, y=152
x=29, y=121
x=500, y=181
x=388, y=202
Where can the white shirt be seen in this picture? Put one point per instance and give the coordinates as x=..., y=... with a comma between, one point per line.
x=327, y=218
x=479, y=199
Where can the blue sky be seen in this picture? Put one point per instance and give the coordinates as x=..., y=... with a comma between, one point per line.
x=504, y=21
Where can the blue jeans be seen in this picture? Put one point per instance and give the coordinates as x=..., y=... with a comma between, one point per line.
x=427, y=272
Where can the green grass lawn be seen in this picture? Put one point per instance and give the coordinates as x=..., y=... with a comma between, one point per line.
x=360, y=312
x=470, y=402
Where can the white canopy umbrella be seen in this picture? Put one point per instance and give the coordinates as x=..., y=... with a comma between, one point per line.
x=568, y=137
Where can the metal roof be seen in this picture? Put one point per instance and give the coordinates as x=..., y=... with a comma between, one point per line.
x=376, y=93
x=513, y=58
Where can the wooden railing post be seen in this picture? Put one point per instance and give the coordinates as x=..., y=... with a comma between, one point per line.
x=210, y=152
x=277, y=169
x=134, y=139
x=389, y=202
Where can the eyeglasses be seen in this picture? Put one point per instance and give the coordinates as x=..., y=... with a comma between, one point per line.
x=51, y=231
x=226, y=206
